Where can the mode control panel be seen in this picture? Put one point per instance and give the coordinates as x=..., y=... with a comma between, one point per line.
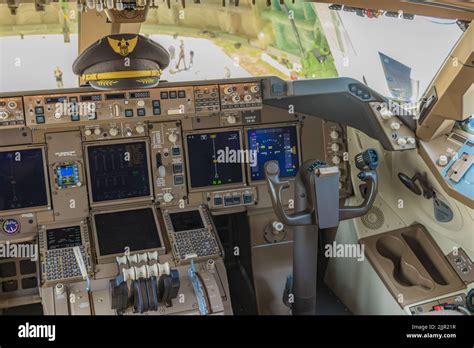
x=402, y=137
x=168, y=163
x=243, y=96
x=207, y=99
x=11, y=112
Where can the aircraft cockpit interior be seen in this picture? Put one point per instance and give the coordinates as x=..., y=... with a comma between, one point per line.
x=236, y=158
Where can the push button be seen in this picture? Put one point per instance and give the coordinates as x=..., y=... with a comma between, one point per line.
x=39, y=110
x=129, y=113
x=40, y=119
x=141, y=112
x=217, y=200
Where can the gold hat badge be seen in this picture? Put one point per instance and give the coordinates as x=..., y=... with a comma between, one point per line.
x=123, y=47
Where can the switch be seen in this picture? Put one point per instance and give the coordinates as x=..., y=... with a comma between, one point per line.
x=128, y=132
x=228, y=201
x=162, y=171
x=116, y=111
x=236, y=200
x=248, y=198
x=168, y=197
x=181, y=94
x=57, y=115
x=217, y=200
x=385, y=113
x=178, y=180
x=176, y=151
x=177, y=168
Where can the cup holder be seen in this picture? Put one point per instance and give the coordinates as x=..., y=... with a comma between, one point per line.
x=405, y=273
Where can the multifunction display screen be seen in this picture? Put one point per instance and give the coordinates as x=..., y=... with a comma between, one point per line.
x=22, y=179
x=66, y=237
x=215, y=159
x=269, y=144
x=118, y=171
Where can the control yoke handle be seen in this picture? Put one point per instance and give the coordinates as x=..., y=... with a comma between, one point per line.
x=366, y=161
x=275, y=188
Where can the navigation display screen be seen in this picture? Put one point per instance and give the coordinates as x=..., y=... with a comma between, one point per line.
x=185, y=221
x=118, y=171
x=66, y=237
x=135, y=229
x=268, y=144
x=22, y=179
x=215, y=159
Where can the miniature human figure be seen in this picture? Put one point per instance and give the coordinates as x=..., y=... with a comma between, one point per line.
x=191, y=58
x=227, y=72
x=172, y=52
x=181, y=56
x=58, y=74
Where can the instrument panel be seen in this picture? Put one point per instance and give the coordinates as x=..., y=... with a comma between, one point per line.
x=102, y=174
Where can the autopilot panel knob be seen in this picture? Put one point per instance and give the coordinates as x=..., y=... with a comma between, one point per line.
x=168, y=197
x=173, y=137
x=4, y=115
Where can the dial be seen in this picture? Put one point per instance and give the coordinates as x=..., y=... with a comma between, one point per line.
x=11, y=226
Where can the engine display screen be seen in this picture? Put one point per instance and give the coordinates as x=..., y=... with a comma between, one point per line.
x=268, y=144
x=22, y=179
x=185, y=221
x=215, y=159
x=135, y=229
x=118, y=171
x=66, y=237
x=67, y=175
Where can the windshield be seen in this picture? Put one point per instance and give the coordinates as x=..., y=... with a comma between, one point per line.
x=398, y=57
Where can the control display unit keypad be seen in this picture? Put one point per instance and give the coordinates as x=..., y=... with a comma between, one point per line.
x=191, y=233
x=58, y=262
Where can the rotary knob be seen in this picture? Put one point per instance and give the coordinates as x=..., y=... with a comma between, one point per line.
x=411, y=141
x=88, y=132
x=335, y=147
x=401, y=141
x=236, y=98
x=231, y=119
x=277, y=227
x=4, y=115
x=336, y=159
x=385, y=113
x=140, y=129
x=255, y=89
x=128, y=132
x=334, y=135
x=168, y=197
x=395, y=126
x=173, y=137
x=113, y=132
x=443, y=160
x=12, y=104
x=97, y=131
x=247, y=98
x=57, y=115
